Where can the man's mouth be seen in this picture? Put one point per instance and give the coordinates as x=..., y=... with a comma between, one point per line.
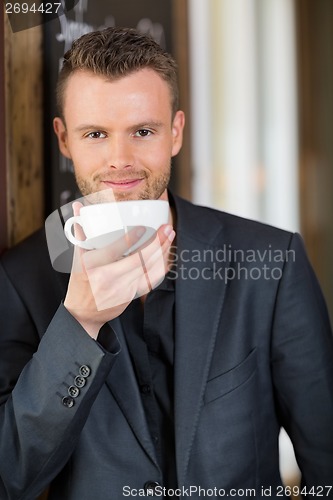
x=123, y=184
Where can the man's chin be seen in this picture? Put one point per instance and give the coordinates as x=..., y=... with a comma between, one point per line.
x=110, y=195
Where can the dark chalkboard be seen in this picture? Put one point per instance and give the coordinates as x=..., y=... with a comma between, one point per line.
x=151, y=16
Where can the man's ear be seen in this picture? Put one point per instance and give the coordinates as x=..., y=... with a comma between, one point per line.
x=177, y=132
x=61, y=132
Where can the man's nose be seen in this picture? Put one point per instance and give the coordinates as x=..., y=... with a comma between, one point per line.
x=120, y=153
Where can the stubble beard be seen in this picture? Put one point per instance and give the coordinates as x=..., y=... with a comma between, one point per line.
x=151, y=191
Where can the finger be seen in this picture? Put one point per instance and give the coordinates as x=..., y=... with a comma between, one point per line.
x=162, y=233
x=161, y=244
x=135, y=275
x=119, y=282
x=114, y=251
x=155, y=264
x=115, y=284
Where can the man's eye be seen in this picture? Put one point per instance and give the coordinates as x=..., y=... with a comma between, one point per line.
x=96, y=135
x=143, y=133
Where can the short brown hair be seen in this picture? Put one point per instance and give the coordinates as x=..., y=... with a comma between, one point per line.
x=114, y=53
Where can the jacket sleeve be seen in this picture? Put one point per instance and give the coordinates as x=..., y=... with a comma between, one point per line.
x=302, y=365
x=47, y=388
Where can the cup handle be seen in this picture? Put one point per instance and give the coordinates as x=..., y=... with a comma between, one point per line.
x=76, y=219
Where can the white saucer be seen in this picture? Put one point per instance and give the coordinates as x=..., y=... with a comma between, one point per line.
x=107, y=239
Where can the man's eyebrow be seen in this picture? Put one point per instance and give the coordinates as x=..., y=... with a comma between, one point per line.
x=88, y=126
x=147, y=124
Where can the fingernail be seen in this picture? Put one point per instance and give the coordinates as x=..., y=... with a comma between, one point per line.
x=168, y=230
x=171, y=236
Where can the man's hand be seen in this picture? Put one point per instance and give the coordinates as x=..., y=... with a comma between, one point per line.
x=103, y=282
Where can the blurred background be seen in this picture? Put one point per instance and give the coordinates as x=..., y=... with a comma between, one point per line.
x=256, y=81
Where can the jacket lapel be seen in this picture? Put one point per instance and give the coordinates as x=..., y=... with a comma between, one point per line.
x=199, y=299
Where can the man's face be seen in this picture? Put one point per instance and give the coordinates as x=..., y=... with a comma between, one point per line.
x=120, y=134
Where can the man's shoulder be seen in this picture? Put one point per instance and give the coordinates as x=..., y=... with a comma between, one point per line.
x=30, y=253
x=27, y=267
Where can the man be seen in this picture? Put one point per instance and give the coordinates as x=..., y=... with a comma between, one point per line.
x=183, y=390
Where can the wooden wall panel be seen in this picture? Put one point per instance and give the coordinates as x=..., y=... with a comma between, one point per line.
x=23, y=123
x=181, y=52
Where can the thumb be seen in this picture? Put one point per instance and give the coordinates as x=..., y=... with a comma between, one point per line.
x=77, y=264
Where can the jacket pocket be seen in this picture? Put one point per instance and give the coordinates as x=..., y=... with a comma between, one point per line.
x=227, y=382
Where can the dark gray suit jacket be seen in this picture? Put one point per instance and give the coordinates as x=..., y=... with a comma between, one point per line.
x=253, y=352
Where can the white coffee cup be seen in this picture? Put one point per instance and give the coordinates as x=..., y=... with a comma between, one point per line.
x=105, y=223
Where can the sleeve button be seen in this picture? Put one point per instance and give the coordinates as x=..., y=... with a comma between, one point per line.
x=79, y=381
x=68, y=402
x=73, y=391
x=84, y=371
